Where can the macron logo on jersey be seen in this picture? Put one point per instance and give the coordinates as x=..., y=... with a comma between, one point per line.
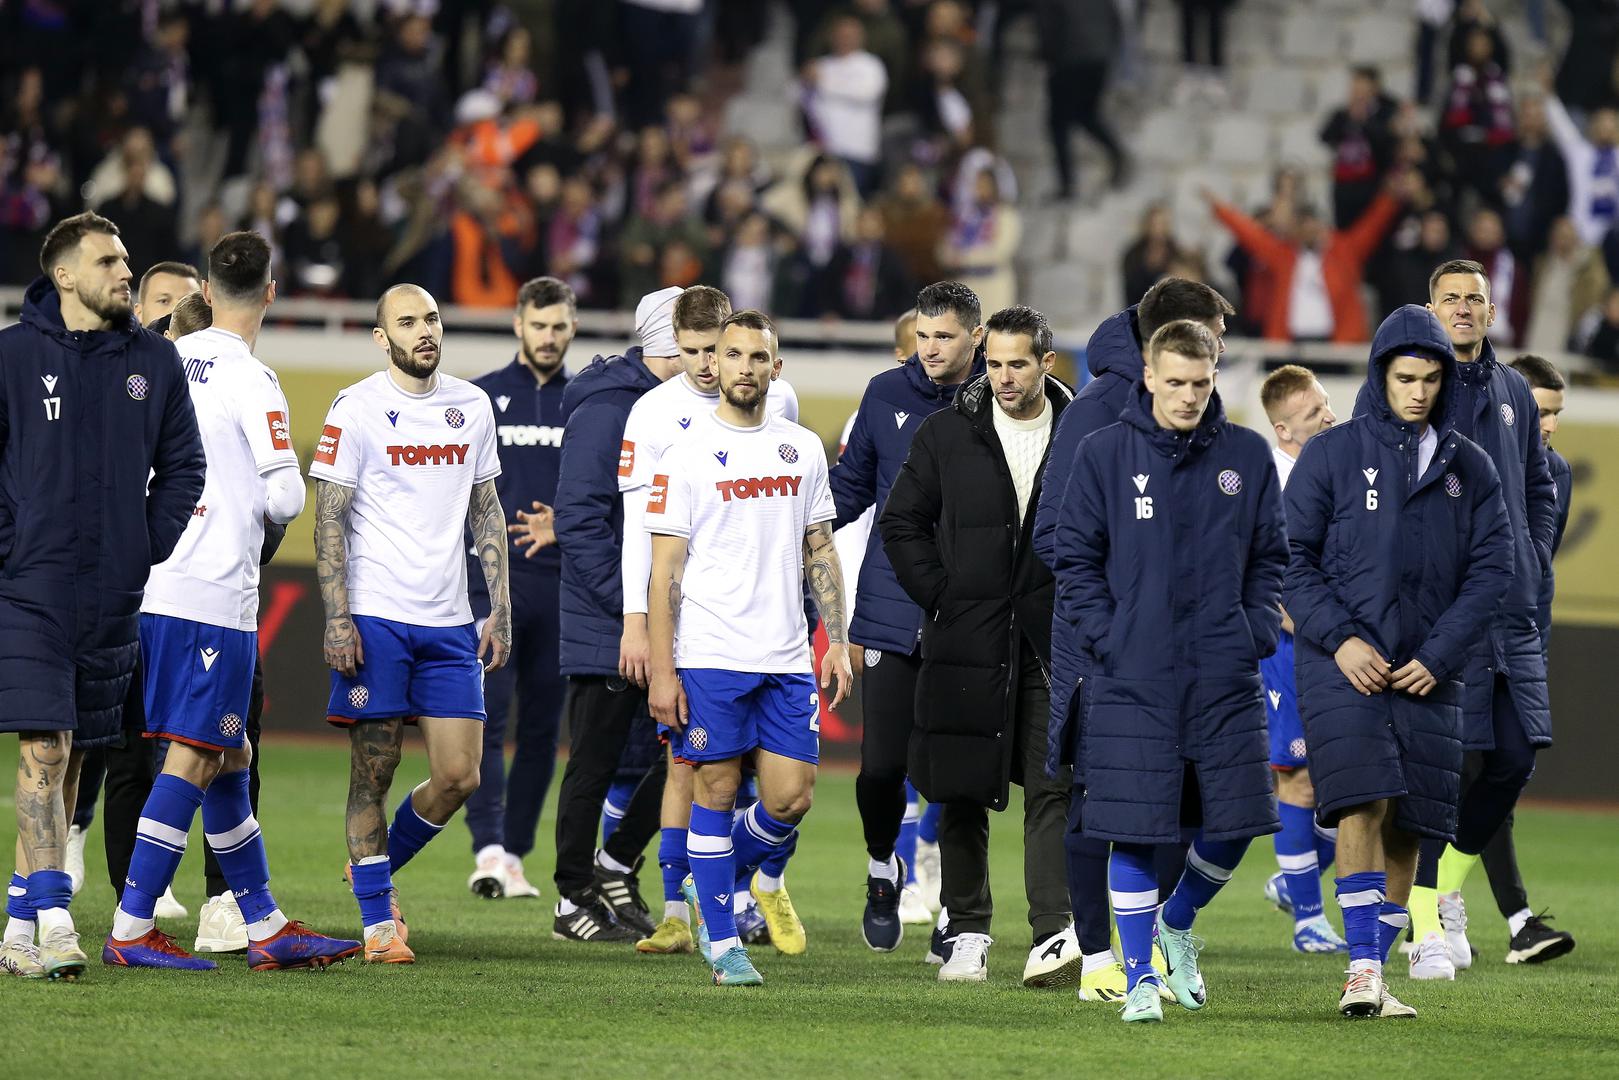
x=208, y=658
x=758, y=487
x=326, y=448
x=1275, y=698
x=451, y=454
x=529, y=435
x=280, y=433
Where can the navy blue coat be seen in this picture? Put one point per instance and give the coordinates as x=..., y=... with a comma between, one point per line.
x=1563, y=480
x=589, y=511
x=1114, y=358
x=1169, y=556
x=528, y=428
x=85, y=418
x=891, y=411
x=1416, y=570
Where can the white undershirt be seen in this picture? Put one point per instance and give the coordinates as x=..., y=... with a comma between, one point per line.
x=1427, y=446
x=1024, y=444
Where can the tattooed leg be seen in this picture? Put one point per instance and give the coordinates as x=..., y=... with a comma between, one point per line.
x=41, y=819
x=374, y=750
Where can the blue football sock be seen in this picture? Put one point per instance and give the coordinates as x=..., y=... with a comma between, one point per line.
x=1209, y=864
x=373, y=888
x=927, y=830
x=1391, y=927
x=905, y=846
x=1326, y=847
x=49, y=889
x=613, y=807
x=233, y=834
x=160, y=842
x=672, y=860
x=713, y=872
x=756, y=836
x=775, y=864
x=1361, y=897
x=17, y=905
x=1295, y=854
x=409, y=834
x=1132, y=885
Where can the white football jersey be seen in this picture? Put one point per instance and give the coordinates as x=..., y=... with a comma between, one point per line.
x=743, y=499
x=213, y=575
x=412, y=460
x=664, y=413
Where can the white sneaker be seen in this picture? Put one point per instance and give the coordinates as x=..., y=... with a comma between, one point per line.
x=1453, y=917
x=1431, y=959
x=488, y=879
x=1056, y=961
x=913, y=910
x=1390, y=1007
x=1363, y=993
x=74, y=857
x=220, y=927
x=928, y=877
x=969, y=959
x=518, y=887
x=168, y=907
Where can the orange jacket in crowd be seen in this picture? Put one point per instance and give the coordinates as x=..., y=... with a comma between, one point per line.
x=1343, y=259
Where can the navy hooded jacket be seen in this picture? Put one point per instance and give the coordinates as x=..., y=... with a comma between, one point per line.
x=1563, y=480
x=101, y=466
x=1170, y=549
x=589, y=513
x=528, y=425
x=1115, y=361
x=1413, y=565
x=891, y=410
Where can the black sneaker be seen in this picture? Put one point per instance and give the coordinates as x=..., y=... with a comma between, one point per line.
x=1537, y=943
x=591, y=921
x=939, y=946
x=622, y=895
x=880, y=925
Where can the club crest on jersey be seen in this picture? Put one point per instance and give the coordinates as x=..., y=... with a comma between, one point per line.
x=758, y=487
x=788, y=452
x=136, y=385
x=230, y=725
x=684, y=421
x=1453, y=485
x=697, y=738
x=1297, y=748
x=1507, y=415
x=1230, y=482
x=873, y=656
x=502, y=401
x=358, y=696
x=393, y=417
x=721, y=456
x=454, y=417
x=326, y=448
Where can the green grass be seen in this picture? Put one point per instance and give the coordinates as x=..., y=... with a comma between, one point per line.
x=493, y=994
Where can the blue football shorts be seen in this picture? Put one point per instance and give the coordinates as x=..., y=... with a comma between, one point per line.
x=198, y=681
x=409, y=671
x=732, y=712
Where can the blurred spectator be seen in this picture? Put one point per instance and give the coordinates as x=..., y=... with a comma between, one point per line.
x=1431, y=16
x=1471, y=16
x=885, y=38
x=365, y=241
x=1396, y=273
x=982, y=242
x=148, y=228
x=1592, y=160
x=646, y=236
x=488, y=234
x=916, y=221
x=510, y=75
x=254, y=37
x=1256, y=279
x=751, y=269
x=821, y=208
x=409, y=68
x=1317, y=270
x=312, y=248
x=211, y=225
x=868, y=280
x=1148, y=258
x=652, y=171
x=1534, y=190
x=1362, y=141
x=739, y=169
x=33, y=196
x=946, y=116
x=1476, y=125
x=573, y=242
x=1585, y=77
x=1203, y=23
x=135, y=164
x=1509, y=278
x=1079, y=40
x=842, y=97
x=1602, y=342
x=693, y=136
x=158, y=79
x=660, y=40
x=1570, y=280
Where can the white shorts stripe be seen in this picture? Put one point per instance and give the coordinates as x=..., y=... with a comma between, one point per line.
x=1401, y=919
x=1326, y=833
x=707, y=845
x=1364, y=898
x=230, y=841
x=1133, y=903
x=1206, y=868
x=1296, y=864
x=159, y=833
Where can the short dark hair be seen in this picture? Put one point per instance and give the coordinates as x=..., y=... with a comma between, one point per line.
x=1541, y=372
x=191, y=313
x=239, y=265
x=749, y=319
x=1369, y=72
x=1282, y=384
x=544, y=292
x=1173, y=299
x=178, y=269
x=65, y=235
x=1457, y=266
x=1184, y=337
x=1022, y=319
x=703, y=307
x=951, y=297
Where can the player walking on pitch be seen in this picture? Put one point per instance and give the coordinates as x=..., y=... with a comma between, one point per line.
x=407, y=455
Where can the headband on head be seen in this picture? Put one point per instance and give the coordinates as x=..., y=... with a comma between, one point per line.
x=655, y=322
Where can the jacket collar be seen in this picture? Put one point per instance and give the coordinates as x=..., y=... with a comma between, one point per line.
x=976, y=400
x=1138, y=414
x=1411, y=329
x=929, y=390
x=42, y=309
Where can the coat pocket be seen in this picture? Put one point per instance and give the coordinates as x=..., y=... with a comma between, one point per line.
x=958, y=699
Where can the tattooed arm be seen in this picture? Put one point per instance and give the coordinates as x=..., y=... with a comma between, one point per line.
x=343, y=649
x=666, y=696
x=488, y=523
x=824, y=573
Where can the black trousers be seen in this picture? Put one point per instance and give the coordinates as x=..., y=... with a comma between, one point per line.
x=1074, y=99
x=602, y=713
x=888, y=705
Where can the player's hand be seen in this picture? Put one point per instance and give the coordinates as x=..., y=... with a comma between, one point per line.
x=666, y=697
x=635, y=651
x=1363, y=666
x=496, y=642
x=835, y=666
x=344, y=653
x=534, y=531
x=1414, y=678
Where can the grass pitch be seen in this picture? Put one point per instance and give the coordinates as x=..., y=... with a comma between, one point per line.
x=493, y=994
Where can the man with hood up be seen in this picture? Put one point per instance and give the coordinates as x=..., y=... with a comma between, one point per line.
x=1400, y=551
